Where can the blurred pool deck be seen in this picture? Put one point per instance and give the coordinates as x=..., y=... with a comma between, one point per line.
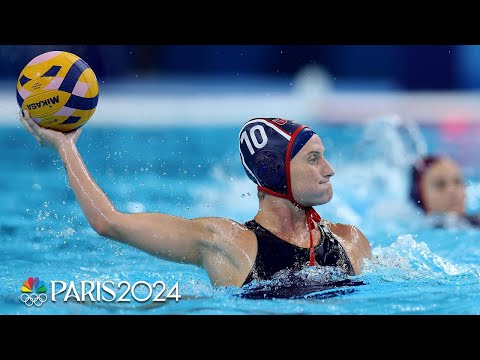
x=191, y=102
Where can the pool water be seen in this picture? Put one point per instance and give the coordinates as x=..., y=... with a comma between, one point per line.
x=194, y=172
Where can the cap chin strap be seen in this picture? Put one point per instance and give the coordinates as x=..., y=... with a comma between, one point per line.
x=311, y=217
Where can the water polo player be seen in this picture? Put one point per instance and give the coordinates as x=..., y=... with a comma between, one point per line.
x=286, y=161
x=437, y=187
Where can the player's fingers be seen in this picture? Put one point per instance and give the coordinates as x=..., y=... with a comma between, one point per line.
x=26, y=124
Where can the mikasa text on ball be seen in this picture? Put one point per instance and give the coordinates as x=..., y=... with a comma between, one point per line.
x=59, y=90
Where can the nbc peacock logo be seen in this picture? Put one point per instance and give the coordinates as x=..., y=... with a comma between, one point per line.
x=33, y=292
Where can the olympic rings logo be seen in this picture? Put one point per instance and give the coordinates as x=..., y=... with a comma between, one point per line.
x=33, y=299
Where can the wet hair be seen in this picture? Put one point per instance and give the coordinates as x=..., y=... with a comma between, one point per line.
x=418, y=170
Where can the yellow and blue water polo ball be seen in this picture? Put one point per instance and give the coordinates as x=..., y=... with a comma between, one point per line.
x=59, y=90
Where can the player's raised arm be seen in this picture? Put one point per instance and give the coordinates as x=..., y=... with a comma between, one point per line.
x=166, y=236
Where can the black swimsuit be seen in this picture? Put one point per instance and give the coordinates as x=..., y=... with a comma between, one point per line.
x=474, y=220
x=275, y=254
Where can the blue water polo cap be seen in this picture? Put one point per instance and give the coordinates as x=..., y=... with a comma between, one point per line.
x=266, y=147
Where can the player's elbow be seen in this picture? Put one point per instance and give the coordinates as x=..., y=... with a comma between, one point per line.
x=103, y=226
x=102, y=229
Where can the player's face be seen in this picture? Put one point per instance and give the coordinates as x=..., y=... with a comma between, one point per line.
x=310, y=174
x=442, y=188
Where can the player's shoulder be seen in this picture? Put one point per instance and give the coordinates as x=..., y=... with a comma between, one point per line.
x=224, y=226
x=346, y=231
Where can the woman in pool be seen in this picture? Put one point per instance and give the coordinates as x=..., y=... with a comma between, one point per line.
x=437, y=187
x=286, y=161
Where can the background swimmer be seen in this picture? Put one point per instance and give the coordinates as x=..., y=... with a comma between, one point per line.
x=438, y=188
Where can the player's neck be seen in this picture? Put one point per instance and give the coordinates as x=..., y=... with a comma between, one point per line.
x=281, y=216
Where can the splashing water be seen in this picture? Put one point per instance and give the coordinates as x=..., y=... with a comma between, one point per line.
x=414, y=269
